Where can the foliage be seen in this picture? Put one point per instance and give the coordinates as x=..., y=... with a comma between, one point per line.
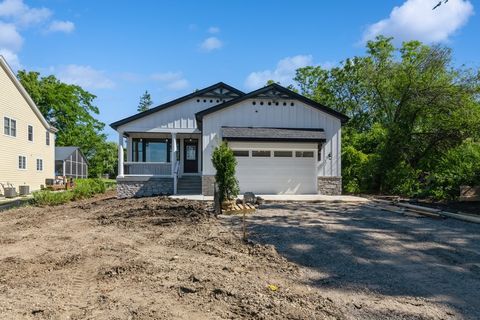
x=460, y=166
x=410, y=109
x=51, y=198
x=224, y=162
x=84, y=188
x=145, y=102
x=71, y=110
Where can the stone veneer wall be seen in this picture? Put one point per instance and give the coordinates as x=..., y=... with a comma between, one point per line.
x=331, y=186
x=208, y=185
x=131, y=187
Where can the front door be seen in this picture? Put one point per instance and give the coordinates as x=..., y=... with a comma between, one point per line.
x=190, y=150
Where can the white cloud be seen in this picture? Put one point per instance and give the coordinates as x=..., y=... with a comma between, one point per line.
x=61, y=26
x=415, y=20
x=21, y=14
x=84, y=76
x=178, y=84
x=211, y=43
x=283, y=73
x=9, y=37
x=16, y=16
x=171, y=80
x=213, y=30
x=11, y=58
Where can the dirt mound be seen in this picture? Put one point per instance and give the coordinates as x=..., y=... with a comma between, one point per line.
x=147, y=258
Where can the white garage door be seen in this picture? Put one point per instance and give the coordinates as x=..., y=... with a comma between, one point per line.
x=284, y=169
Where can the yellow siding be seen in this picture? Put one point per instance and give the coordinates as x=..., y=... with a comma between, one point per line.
x=14, y=105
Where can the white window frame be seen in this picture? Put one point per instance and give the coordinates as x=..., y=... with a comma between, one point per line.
x=39, y=160
x=33, y=133
x=25, y=162
x=10, y=127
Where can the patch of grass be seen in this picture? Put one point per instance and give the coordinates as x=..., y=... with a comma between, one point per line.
x=84, y=188
x=51, y=198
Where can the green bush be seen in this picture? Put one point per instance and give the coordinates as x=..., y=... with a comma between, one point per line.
x=224, y=162
x=51, y=198
x=86, y=188
x=459, y=166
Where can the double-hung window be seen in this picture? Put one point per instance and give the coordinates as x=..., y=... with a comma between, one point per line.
x=22, y=162
x=30, y=133
x=47, y=138
x=39, y=164
x=9, y=127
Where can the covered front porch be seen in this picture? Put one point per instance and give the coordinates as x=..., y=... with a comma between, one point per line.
x=153, y=162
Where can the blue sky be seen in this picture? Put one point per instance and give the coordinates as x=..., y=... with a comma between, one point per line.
x=119, y=49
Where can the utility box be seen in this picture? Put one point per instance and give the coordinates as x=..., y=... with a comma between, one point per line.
x=24, y=190
x=10, y=192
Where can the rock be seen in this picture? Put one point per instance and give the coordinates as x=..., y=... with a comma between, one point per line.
x=249, y=197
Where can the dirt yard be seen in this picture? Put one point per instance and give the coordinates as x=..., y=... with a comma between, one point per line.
x=376, y=264
x=154, y=258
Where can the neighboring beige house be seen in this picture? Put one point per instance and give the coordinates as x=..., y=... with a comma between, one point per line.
x=27, y=141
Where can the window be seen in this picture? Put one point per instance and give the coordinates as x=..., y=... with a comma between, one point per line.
x=39, y=165
x=261, y=153
x=47, y=138
x=30, y=133
x=151, y=150
x=9, y=127
x=240, y=153
x=304, y=154
x=22, y=162
x=283, y=154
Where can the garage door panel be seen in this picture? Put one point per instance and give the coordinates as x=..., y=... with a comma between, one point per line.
x=276, y=175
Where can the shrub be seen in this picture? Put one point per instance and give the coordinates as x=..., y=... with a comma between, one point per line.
x=86, y=188
x=459, y=166
x=51, y=198
x=224, y=162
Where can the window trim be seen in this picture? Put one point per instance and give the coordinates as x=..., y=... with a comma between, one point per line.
x=10, y=127
x=37, y=162
x=28, y=133
x=25, y=162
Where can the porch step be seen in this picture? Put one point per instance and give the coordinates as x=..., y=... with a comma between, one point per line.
x=189, y=185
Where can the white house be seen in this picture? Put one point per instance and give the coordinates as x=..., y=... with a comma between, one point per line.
x=284, y=142
x=27, y=140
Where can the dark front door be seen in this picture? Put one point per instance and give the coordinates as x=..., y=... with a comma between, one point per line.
x=190, y=152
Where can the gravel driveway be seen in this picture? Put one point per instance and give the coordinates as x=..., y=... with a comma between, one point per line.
x=378, y=264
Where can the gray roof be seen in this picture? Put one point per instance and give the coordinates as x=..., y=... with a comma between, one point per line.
x=62, y=153
x=273, y=134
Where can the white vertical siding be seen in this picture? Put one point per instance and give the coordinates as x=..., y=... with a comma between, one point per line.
x=245, y=114
x=180, y=116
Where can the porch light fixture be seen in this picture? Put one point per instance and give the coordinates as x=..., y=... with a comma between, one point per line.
x=329, y=156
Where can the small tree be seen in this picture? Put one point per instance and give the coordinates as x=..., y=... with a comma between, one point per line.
x=224, y=162
x=145, y=102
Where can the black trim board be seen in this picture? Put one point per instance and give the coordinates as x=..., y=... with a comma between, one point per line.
x=275, y=139
x=194, y=94
x=199, y=115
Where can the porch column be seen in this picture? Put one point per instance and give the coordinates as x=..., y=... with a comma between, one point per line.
x=174, y=161
x=120, y=154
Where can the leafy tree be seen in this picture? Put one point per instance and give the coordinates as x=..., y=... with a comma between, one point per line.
x=71, y=110
x=145, y=102
x=224, y=162
x=409, y=107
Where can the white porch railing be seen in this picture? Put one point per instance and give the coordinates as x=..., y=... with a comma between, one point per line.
x=148, y=168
